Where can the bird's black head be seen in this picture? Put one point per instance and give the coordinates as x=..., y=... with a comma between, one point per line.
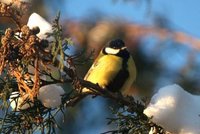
x=116, y=44
x=116, y=47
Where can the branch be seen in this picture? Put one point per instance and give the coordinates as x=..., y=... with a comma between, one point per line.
x=128, y=101
x=106, y=93
x=136, y=116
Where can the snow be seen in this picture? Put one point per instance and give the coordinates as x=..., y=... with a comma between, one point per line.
x=51, y=95
x=35, y=20
x=176, y=110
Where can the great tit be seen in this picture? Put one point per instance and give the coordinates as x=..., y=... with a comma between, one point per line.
x=113, y=69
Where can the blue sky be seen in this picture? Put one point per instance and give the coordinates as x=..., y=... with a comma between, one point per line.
x=184, y=15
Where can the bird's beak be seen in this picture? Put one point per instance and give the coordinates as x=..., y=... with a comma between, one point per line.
x=123, y=48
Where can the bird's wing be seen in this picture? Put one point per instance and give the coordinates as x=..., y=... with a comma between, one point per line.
x=93, y=65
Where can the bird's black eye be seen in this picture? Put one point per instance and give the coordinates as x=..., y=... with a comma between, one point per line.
x=116, y=44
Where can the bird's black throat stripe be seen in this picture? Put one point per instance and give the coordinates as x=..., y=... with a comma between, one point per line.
x=122, y=75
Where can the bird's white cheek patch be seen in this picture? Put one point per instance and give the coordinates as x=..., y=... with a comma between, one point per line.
x=111, y=50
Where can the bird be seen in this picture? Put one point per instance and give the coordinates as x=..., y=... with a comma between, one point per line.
x=113, y=69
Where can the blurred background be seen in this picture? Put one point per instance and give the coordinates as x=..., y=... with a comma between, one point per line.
x=162, y=37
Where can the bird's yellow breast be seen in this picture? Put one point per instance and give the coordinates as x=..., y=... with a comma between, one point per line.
x=104, y=70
